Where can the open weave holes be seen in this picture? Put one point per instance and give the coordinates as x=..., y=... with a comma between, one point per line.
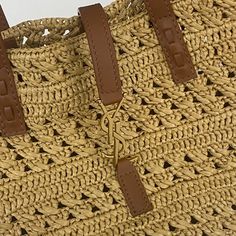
x=55, y=181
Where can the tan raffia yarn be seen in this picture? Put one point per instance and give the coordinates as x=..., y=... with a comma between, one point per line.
x=55, y=180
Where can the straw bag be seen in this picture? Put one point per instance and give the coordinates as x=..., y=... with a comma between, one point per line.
x=120, y=123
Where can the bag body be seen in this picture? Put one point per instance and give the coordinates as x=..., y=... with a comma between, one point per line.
x=59, y=179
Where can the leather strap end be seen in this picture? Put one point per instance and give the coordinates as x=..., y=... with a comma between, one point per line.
x=133, y=189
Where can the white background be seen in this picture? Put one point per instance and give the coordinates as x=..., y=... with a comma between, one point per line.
x=22, y=10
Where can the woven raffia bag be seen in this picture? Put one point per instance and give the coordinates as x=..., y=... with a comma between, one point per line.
x=161, y=160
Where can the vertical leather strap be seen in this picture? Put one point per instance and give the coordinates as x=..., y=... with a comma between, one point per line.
x=171, y=40
x=103, y=53
x=108, y=80
x=133, y=189
x=9, y=43
x=11, y=115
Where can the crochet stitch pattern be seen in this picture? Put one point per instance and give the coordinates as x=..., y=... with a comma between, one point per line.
x=55, y=180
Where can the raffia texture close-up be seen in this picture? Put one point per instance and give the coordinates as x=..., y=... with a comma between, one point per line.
x=58, y=180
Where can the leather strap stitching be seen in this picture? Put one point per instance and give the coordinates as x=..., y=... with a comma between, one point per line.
x=12, y=93
x=109, y=83
x=143, y=194
x=180, y=37
x=95, y=54
x=112, y=56
x=191, y=73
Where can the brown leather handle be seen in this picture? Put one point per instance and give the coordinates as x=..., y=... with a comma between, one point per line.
x=171, y=39
x=103, y=54
x=11, y=114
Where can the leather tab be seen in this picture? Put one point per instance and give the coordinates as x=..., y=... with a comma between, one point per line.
x=106, y=68
x=9, y=43
x=11, y=115
x=171, y=40
x=132, y=188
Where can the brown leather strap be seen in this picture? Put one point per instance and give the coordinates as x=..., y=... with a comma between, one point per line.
x=108, y=80
x=171, y=40
x=132, y=188
x=11, y=115
x=103, y=53
x=9, y=43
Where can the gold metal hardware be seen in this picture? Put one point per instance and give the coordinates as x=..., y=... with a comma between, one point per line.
x=112, y=128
